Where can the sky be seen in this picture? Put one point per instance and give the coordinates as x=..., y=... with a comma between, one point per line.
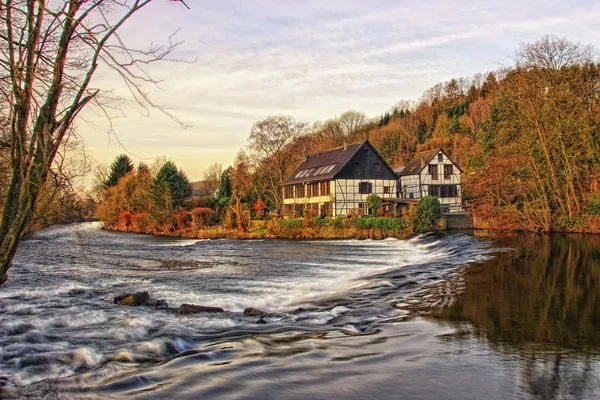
x=313, y=60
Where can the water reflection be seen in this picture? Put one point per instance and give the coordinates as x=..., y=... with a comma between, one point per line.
x=540, y=304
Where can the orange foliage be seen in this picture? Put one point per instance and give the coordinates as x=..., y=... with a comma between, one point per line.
x=201, y=216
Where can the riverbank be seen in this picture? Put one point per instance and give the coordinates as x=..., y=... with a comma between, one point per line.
x=294, y=229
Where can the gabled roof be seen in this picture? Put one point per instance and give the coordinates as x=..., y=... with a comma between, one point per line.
x=416, y=165
x=200, y=188
x=420, y=161
x=337, y=157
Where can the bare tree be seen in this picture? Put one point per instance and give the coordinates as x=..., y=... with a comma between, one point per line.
x=552, y=52
x=332, y=129
x=49, y=52
x=270, y=142
x=351, y=121
x=212, y=176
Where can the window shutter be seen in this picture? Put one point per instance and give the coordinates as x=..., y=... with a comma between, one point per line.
x=370, y=187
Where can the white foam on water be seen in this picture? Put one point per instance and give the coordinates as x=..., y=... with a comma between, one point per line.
x=181, y=243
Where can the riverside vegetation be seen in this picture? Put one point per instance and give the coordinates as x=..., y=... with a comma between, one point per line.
x=157, y=203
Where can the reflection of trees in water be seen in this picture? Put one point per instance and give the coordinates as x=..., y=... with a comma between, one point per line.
x=556, y=376
x=542, y=303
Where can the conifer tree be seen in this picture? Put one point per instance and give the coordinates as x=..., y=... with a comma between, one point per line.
x=171, y=187
x=118, y=169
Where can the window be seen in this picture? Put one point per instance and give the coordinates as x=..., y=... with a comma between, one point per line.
x=377, y=167
x=356, y=170
x=299, y=191
x=325, y=189
x=442, y=191
x=288, y=192
x=448, y=171
x=387, y=189
x=365, y=187
x=440, y=158
x=367, y=152
x=433, y=171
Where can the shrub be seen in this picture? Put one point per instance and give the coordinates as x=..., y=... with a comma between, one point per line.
x=320, y=221
x=593, y=205
x=337, y=223
x=291, y=223
x=374, y=203
x=426, y=214
x=202, y=216
x=385, y=224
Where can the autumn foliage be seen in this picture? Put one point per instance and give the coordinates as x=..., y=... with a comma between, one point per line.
x=527, y=138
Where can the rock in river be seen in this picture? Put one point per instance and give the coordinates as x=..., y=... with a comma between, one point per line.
x=254, y=311
x=194, y=309
x=158, y=303
x=133, y=299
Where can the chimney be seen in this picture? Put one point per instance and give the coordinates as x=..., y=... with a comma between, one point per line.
x=457, y=160
x=305, y=156
x=345, y=145
x=422, y=163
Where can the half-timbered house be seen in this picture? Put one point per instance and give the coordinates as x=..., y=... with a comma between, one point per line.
x=337, y=182
x=432, y=173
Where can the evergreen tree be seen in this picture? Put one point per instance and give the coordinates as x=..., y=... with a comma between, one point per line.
x=118, y=169
x=171, y=187
x=225, y=189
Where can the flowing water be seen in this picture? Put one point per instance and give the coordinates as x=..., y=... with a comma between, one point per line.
x=526, y=326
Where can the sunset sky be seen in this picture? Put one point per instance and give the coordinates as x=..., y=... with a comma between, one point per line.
x=312, y=60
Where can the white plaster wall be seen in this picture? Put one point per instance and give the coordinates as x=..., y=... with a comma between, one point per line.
x=347, y=194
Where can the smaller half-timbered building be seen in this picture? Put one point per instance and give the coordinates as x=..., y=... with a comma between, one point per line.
x=337, y=182
x=432, y=173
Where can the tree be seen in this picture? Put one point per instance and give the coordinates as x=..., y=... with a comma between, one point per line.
x=271, y=142
x=171, y=187
x=120, y=167
x=49, y=53
x=212, y=176
x=332, y=130
x=374, y=203
x=225, y=190
x=553, y=53
x=426, y=214
x=351, y=122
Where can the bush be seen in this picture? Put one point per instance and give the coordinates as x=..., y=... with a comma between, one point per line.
x=337, y=223
x=291, y=223
x=385, y=224
x=374, y=203
x=320, y=221
x=426, y=214
x=202, y=216
x=593, y=205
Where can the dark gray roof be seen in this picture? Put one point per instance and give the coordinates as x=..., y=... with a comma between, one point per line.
x=419, y=161
x=334, y=159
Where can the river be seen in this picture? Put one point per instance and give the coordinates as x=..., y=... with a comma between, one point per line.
x=526, y=326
